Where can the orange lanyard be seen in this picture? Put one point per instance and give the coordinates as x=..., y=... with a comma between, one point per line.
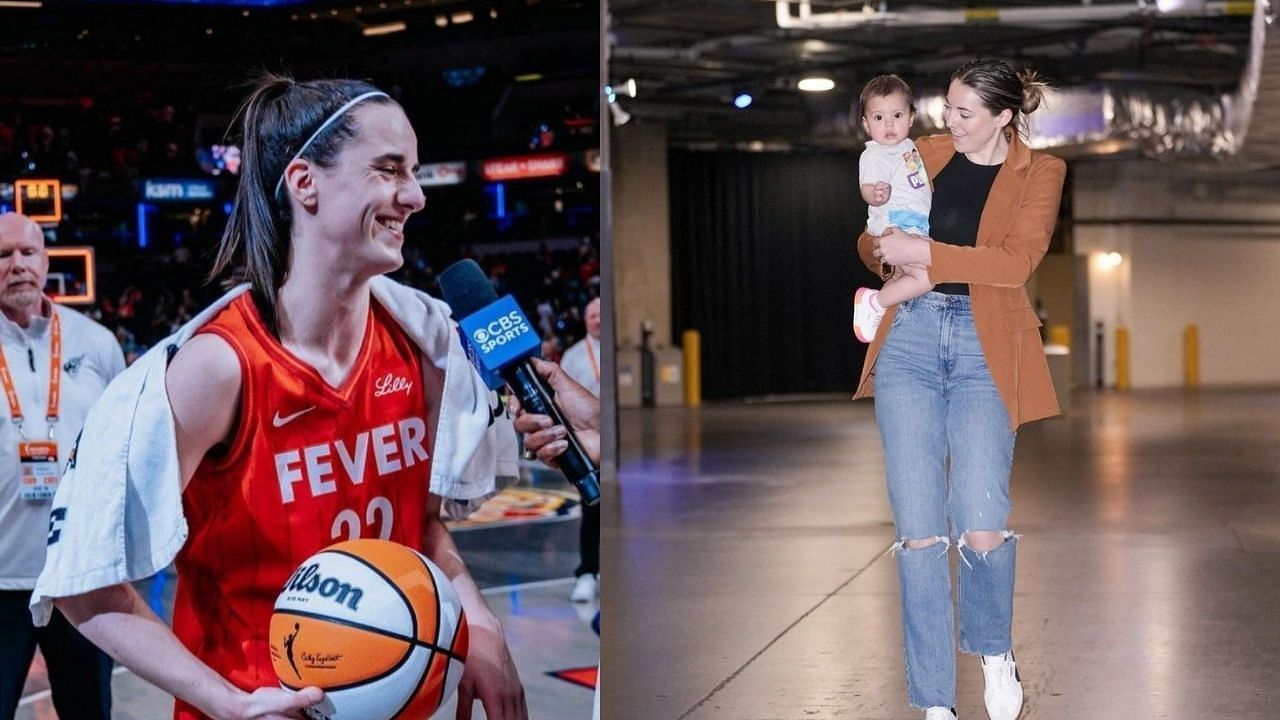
x=591, y=353
x=55, y=377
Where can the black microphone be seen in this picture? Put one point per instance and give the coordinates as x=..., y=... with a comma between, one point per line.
x=500, y=339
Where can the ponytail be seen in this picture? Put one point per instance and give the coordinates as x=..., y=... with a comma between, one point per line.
x=280, y=114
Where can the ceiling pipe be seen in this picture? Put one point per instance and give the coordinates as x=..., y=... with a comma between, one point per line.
x=806, y=19
x=1166, y=123
x=691, y=53
x=1163, y=123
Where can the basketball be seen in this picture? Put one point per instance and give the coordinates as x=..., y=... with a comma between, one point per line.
x=375, y=625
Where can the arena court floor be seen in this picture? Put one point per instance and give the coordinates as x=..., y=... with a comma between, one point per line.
x=525, y=569
x=1148, y=573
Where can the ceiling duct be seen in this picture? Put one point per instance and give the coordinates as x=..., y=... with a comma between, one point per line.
x=1167, y=123
x=1164, y=123
x=805, y=18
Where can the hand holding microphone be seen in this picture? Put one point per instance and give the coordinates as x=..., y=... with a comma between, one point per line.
x=502, y=344
x=581, y=409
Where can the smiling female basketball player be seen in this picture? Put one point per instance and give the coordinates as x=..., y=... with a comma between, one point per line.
x=299, y=413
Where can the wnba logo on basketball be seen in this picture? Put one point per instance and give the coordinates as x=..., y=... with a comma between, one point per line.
x=307, y=579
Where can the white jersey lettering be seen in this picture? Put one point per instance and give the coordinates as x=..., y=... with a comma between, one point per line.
x=354, y=463
x=412, y=432
x=394, y=446
x=286, y=474
x=317, y=469
x=391, y=384
x=384, y=449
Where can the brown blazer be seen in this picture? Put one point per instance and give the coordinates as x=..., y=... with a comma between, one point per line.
x=1013, y=235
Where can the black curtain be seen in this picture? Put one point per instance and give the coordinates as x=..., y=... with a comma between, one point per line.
x=764, y=266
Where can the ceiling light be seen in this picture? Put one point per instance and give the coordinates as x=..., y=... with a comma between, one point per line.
x=30, y=4
x=631, y=87
x=1112, y=259
x=1180, y=6
x=384, y=29
x=462, y=16
x=442, y=21
x=816, y=84
x=742, y=101
x=620, y=116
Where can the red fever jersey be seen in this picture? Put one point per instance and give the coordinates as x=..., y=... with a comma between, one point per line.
x=309, y=465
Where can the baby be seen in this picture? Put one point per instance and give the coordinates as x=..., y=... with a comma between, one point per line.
x=896, y=189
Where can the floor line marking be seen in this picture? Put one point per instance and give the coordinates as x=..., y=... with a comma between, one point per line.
x=528, y=585
x=496, y=524
x=724, y=683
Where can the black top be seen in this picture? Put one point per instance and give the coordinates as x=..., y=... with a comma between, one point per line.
x=959, y=193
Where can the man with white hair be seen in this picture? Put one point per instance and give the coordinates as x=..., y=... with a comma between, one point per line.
x=582, y=363
x=54, y=365
x=582, y=360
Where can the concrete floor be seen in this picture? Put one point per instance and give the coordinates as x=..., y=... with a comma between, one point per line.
x=746, y=574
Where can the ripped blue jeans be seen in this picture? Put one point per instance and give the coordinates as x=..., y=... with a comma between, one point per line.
x=948, y=453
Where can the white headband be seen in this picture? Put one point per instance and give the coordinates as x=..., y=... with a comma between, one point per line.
x=336, y=114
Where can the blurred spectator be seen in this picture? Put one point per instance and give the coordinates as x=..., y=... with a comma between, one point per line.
x=105, y=142
x=144, y=296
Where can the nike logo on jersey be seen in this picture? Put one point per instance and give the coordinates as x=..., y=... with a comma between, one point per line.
x=278, y=421
x=391, y=383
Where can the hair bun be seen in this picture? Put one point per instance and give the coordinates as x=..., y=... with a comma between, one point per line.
x=1033, y=90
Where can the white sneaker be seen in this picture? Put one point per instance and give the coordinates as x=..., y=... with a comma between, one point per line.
x=866, y=319
x=586, y=589
x=939, y=713
x=1003, y=693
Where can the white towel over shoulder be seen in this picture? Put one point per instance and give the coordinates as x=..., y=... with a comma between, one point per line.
x=117, y=516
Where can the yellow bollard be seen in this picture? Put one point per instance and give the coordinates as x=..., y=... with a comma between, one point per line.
x=1122, y=358
x=692, y=341
x=1060, y=335
x=1191, y=356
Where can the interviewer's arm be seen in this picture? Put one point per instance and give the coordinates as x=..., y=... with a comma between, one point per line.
x=581, y=409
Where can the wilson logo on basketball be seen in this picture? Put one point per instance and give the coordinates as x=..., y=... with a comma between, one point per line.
x=308, y=580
